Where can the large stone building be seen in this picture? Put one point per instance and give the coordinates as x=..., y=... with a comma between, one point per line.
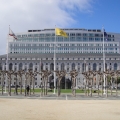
x=82, y=50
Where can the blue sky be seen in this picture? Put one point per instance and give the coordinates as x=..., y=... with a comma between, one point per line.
x=103, y=12
x=22, y=15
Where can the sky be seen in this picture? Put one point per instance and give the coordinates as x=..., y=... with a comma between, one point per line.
x=23, y=15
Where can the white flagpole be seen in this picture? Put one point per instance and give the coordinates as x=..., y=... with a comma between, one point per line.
x=40, y=74
x=7, y=61
x=103, y=61
x=55, y=62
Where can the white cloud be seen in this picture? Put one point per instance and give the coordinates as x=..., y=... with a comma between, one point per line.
x=37, y=14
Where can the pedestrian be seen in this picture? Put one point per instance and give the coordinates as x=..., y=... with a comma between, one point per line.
x=28, y=88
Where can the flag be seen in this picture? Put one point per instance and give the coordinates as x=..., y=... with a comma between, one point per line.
x=12, y=34
x=60, y=32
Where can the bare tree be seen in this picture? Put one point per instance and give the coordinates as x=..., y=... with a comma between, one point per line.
x=74, y=74
x=26, y=79
x=20, y=74
x=60, y=75
x=9, y=75
x=16, y=85
x=3, y=73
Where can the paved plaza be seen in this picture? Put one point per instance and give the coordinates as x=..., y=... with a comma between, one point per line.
x=64, y=107
x=39, y=109
x=63, y=96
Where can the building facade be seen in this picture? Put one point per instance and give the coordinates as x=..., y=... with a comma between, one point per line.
x=82, y=50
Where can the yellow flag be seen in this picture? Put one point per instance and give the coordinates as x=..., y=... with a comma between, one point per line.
x=60, y=32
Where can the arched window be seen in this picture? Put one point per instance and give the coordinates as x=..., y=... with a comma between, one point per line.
x=0, y=66
x=115, y=66
x=30, y=66
x=10, y=66
x=62, y=66
x=51, y=66
x=20, y=66
x=84, y=67
x=105, y=66
x=73, y=66
x=94, y=67
x=41, y=66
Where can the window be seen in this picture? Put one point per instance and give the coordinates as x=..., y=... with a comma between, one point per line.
x=73, y=66
x=115, y=66
x=94, y=66
x=62, y=66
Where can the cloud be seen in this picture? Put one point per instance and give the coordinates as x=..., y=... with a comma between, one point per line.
x=22, y=15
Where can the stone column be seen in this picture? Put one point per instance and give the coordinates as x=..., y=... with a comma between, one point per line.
x=76, y=67
x=38, y=68
x=112, y=67
x=65, y=66
x=80, y=68
x=3, y=67
x=7, y=66
x=17, y=66
x=108, y=66
x=86, y=66
x=91, y=66
x=13, y=67
x=23, y=67
x=27, y=66
x=43, y=66
x=118, y=67
x=59, y=68
x=70, y=68
x=33, y=67
x=48, y=66
x=97, y=67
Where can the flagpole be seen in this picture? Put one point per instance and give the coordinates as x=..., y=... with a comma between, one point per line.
x=40, y=75
x=55, y=62
x=7, y=62
x=103, y=62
